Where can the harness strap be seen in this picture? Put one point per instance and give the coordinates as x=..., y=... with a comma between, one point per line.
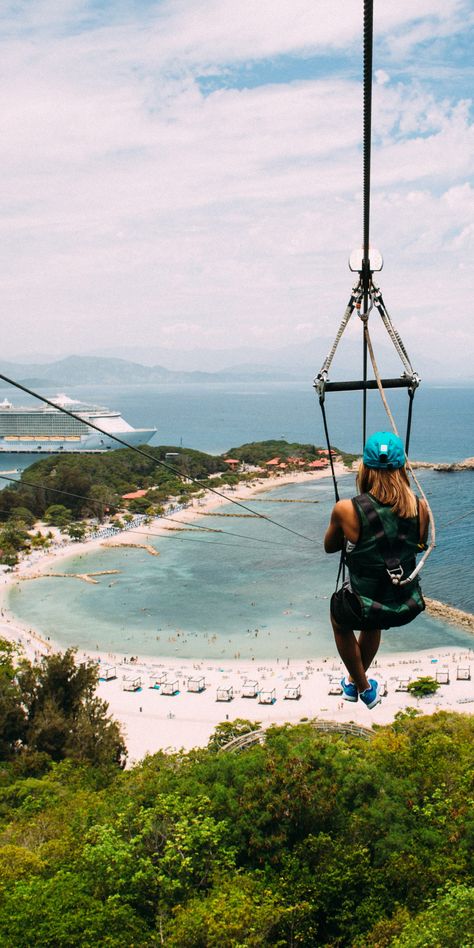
x=389, y=549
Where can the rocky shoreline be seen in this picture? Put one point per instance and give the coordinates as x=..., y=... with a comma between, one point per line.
x=466, y=465
x=441, y=610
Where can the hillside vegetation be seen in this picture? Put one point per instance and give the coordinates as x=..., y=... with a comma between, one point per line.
x=307, y=840
x=65, y=490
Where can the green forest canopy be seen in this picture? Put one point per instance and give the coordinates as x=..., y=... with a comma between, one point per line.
x=309, y=839
x=100, y=480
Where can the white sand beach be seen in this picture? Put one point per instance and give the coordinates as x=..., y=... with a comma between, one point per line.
x=153, y=720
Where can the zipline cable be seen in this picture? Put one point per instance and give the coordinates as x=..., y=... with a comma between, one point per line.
x=88, y=500
x=367, y=133
x=150, y=457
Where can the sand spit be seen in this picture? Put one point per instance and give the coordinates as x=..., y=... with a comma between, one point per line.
x=137, y=546
x=86, y=577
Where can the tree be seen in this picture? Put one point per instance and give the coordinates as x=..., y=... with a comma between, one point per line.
x=13, y=539
x=100, y=501
x=448, y=922
x=58, y=515
x=39, y=541
x=23, y=515
x=423, y=686
x=239, y=910
x=52, y=709
x=76, y=531
x=12, y=712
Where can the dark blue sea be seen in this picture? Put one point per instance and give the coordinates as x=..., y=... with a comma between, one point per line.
x=217, y=417
x=218, y=595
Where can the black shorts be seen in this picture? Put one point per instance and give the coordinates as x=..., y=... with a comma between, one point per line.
x=346, y=610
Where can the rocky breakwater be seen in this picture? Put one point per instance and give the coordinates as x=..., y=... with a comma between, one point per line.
x=441, y=610
x=466, y=465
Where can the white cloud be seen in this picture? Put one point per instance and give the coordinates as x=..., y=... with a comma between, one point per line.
x=133, y=205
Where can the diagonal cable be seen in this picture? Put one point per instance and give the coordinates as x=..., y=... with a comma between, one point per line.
x=150, y=457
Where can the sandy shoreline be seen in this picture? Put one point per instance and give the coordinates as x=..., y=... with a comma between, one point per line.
x=153, y=720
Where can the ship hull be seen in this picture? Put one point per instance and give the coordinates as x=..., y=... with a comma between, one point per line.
x=91, y=442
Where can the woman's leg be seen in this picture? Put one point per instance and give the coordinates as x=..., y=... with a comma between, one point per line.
x=351, y=653
x=369, y=645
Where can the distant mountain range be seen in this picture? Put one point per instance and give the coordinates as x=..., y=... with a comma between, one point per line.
x=294, y=363
x=84, y=370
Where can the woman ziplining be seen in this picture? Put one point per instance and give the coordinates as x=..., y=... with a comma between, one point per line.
x=380, y=532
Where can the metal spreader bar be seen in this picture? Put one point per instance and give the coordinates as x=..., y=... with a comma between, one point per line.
x=364, y=384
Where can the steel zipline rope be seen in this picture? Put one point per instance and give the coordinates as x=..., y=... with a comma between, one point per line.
x=367, y=137
x=365, y=296
x=195, y=526
x=151, y=457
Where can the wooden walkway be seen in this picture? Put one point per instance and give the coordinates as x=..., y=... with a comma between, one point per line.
x=326, y=727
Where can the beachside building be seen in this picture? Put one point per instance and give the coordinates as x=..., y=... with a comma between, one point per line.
x=225, y=693
x=249, y=688
x=170, y=687
x=131, y=683
x=196, y=684
x=134, y=495
x=267, y=696
x=293, y=691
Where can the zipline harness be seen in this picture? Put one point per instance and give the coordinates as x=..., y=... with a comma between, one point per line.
x=365, y=297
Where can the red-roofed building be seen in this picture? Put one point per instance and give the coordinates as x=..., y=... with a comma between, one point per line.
x=273, y=462
x=232, y=461
x=283, y=465
x=134, y=494
x=318, y=464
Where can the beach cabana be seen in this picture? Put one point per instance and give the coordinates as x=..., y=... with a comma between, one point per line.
x=335, y=687
x=249, y=688
x=107, y=673
x=292, y=691
x=442, y=676
x=267, y=696
x=157, y=679
x=403, y=684
x=196, y=684
x=463, y=673
x=170, y=687
x=225, y=693
x=131, y=683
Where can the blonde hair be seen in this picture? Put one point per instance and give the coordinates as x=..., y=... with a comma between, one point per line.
x=389, y=487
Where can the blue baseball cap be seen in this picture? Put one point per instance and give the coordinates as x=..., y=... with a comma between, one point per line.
x=384, y=451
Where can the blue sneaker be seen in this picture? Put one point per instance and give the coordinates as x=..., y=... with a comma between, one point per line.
x=349, y=690
x=371, y=696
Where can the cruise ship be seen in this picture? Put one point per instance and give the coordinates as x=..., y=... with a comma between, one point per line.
x=47, y=430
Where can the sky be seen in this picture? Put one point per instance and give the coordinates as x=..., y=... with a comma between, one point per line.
x=188, y=174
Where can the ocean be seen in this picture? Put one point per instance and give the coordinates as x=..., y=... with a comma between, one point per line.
x=218, y=596
x=216, y=417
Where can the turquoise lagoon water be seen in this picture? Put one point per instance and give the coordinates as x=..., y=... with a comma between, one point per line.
x=218, y=596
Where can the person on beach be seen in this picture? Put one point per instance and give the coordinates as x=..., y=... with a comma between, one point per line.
x=380, y=532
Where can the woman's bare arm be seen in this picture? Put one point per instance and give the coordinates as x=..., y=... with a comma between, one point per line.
x=343, y=523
